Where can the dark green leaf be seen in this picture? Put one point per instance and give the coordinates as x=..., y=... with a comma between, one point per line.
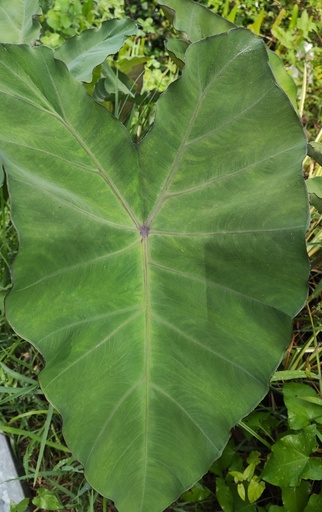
x=295, y=498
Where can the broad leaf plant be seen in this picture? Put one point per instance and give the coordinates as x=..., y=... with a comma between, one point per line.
x=152, y=276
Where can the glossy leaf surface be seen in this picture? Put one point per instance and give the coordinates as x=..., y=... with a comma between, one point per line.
x=83, y=53
x=151, y=276
x=18, y=22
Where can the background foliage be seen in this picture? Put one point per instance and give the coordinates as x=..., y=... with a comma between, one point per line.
x=254, y=473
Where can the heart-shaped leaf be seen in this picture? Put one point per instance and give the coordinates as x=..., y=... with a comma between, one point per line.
x=291, y=459
x=152, y=277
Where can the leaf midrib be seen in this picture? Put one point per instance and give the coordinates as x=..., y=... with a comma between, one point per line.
x=175, y=164
x=147, y=314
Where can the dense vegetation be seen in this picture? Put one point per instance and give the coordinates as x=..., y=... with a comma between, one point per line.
x=273, y=461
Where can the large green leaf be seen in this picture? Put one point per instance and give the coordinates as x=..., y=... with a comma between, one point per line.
x=18, y=22
x=199, y=22
x=152, y=277
x=83, y=53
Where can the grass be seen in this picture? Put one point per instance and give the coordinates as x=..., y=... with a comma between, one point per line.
x=34, y=427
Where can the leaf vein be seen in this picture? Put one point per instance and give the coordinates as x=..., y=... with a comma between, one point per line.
x=160, y=390
x=220, y=233
x=207, y=282
x=82, y=264
x=77, y=208
x=86, y=354
x=230, y=175
x=111, y=416
x=90, y=320
x=49, y=153
x=176, y=162
x=230, y=121
x=204, y=347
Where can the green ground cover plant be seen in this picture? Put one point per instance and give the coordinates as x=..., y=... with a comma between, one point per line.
x=126, y=215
